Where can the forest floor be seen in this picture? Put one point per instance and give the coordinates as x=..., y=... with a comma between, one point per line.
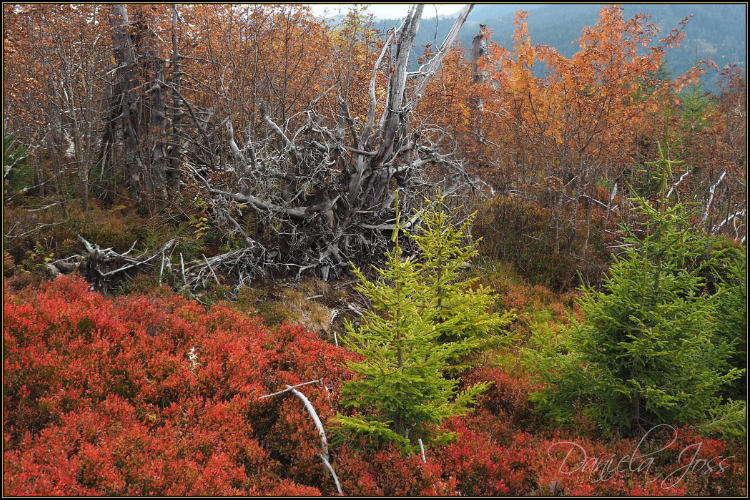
x=505, y=446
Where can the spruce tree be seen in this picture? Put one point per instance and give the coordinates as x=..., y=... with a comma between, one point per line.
x=444, y=253
x=420, y=323
x=695, y=104
x=731, y=326
x=643, y=353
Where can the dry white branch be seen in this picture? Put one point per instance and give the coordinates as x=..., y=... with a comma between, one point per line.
x=711, y=197
x=211, y=269
x=437, y=59
x=289, y=388
x=318, y=424
x=682, y=177
x=96, y=257
x=373, y=100
x=277, y=130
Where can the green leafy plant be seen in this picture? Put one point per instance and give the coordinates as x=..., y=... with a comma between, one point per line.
x=463, y=304
x=644, y=352
x=731, y=314
x=420, y=323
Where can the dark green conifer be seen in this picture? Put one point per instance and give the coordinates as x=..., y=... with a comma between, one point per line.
x=643, y=353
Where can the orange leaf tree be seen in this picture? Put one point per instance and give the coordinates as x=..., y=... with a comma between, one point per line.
x=579, y=118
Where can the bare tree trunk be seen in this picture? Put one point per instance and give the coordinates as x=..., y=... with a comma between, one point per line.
x=173, y=173
x=126, y=59
x=393, y=112
x=478, y=51
x=39, y=171
x=77, y=154
x=54, y=132
x=557, y=214
x=588, y=223
x=574, y=217
x=157, y=132
x=143, y=116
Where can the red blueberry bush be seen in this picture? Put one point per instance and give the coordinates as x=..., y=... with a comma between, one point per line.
x=155, y=395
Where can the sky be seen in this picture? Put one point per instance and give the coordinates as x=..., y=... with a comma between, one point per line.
x=388, y=11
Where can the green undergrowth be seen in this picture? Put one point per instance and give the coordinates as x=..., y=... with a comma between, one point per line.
x=536, y=306
x=35, y=235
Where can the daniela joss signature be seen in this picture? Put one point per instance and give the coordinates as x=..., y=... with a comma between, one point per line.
x=599, y=469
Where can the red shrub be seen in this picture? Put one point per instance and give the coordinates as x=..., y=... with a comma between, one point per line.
x=507, y=398
x=157, y=396
x=385, y=472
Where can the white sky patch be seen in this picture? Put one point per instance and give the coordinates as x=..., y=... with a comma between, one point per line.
x=386, y=11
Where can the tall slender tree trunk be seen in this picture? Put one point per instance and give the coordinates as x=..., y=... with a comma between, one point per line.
x=478, y=51
x=588, y=223
x=77, y=154
x=126, y=60
x=556, y=214
x=173, y=173
x=574, y=220
x=144, y=112
x=157, y=106
x=53, y=145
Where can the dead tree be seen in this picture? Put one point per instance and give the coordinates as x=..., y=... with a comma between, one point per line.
x=323, y=188
x=104, y=269
x=140, y=100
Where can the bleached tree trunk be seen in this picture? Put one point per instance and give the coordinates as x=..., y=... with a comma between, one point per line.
x=478, y=51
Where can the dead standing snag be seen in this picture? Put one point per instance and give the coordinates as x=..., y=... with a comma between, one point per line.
x=321, y=182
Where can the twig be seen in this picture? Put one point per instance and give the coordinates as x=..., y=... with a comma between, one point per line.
x=136, y=263
x=131, y=248
x=211, y=269
x=289, y=388
x=356, y=311
x=44, y=208
x=197, y=299
x=40, y=226
x=316, y=420
x=711, y=197
x=161, y=270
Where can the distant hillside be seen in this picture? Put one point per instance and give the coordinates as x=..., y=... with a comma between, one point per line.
x=716, y=30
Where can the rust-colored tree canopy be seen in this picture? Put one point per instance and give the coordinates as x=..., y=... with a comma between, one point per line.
x=251, y=251
x=297, y=133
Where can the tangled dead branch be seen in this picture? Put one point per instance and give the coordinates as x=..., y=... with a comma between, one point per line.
x=104, y=268
x=322, y=188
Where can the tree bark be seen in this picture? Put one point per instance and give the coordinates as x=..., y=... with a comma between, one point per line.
x=125, y=58
x=173, y=173
x=142, y=100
